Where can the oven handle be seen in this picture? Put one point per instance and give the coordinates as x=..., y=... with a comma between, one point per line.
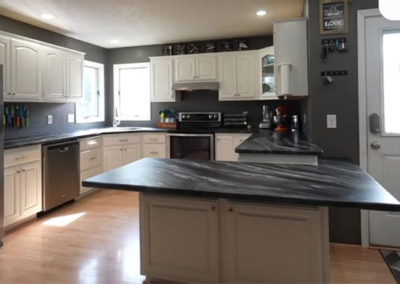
x=190, y=135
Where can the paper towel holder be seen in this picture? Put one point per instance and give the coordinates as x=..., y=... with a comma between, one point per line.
x=285, y=78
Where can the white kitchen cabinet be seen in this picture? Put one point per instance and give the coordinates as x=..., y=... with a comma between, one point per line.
x=154, y=145
x=5, y=61
x=74, y=77
x=291, y=57
x=54, y=75
x=22, y=183
x=25, y=71
x=91, y=159
x=225, y=144
x=266, y=67
x=237, y=74
x=121, y=149
x=201, y=67
x=161, y=79
x=179, y=239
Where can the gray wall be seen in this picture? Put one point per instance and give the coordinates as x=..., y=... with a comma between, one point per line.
x=339, y=98
x=39, y=111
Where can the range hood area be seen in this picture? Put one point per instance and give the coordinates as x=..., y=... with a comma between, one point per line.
x=193, y=86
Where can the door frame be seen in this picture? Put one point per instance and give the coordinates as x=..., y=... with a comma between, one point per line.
x=362, y=16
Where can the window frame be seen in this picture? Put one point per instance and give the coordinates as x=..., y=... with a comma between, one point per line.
x=116, y=68
x=101, y=107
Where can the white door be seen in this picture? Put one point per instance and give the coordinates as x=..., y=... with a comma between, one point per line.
x=224, y=148
x=132, y=153
x=54, y=75
x=161, y=80
x=382, y=47
x=30, y=189
x=113, y=157
x=5, y=61
x=11, y=195
x=185, y=68
x=206, y=67
x=228, y=76
x=246, y=76
x=25, y=70
x=74, y=77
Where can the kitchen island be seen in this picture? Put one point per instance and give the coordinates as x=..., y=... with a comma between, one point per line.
x=229, y=222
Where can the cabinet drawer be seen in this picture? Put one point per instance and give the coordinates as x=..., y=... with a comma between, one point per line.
x=155, y=151
x=90, y=159
x=124, y=139
x=90, y=143
x=87, y=174
x=22, y=155
x=154, y=138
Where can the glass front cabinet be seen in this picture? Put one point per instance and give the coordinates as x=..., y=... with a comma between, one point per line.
x=267, y=73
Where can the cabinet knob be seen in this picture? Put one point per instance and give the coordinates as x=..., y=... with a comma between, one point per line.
x=13, y=94
x=18, y=172
x=236, y=95
x=213, y=208
x=230, y=209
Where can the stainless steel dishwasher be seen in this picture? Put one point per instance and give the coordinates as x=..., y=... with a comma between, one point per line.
x=60, y=173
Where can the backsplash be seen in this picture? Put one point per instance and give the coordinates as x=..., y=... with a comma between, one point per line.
x=38, y=120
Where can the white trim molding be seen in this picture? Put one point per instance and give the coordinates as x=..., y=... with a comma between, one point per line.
x=362, y=16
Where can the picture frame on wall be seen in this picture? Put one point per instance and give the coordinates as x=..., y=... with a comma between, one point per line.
x=333, y=16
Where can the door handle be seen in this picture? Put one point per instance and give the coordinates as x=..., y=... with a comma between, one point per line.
x=64, y=149
x=375, y=145
x=375, y=123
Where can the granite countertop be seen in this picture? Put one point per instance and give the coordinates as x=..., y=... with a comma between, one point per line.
x=270, y=142
x=330, y=183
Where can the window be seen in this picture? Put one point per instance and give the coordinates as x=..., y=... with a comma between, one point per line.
x=91, y=109
x=132, y=91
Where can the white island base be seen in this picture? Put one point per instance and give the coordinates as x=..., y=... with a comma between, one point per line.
x=204, y=240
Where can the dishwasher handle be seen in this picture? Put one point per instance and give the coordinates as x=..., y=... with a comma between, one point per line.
x=63, y=149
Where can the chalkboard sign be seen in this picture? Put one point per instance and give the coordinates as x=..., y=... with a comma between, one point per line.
x=333, y=16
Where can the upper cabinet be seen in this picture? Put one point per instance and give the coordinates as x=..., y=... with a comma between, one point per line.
x=25, y=71
x=267, y=73
x=201, y=67
x=291, y=64
x=237, y=74
x=161, y=79
x=39, y=72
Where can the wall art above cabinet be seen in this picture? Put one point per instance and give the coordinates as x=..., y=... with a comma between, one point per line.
x=35, y=71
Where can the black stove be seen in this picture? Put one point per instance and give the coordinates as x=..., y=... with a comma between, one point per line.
x=199, y=121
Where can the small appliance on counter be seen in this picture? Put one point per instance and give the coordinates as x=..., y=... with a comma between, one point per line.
x=281, y=119
x=266, y=122
x=236, y=120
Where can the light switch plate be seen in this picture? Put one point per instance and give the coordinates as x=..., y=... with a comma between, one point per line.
x=49, y=119
x=331, y=121
x=71, y=118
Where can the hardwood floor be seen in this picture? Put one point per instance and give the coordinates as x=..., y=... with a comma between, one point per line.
x=96, y=240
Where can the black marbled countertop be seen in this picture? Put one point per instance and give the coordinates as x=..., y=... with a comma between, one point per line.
x=270, y=142
x=330, y=183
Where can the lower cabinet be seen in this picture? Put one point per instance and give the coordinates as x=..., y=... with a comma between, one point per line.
x=225, y=144
x=22, y=192
x=154, y=145
x=199, y=240
x=91, y=159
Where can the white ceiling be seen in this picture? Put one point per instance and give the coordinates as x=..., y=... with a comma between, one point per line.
x=146, y=22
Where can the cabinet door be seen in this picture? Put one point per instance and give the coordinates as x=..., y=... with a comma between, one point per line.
x=87, y=174
x=11, y=195
x=54, y=77
x=5, y=61
x=237, y=140
x=30, y=189
x=161, y=80
x=206, y=67
x=185, y=68
x=224, y=148
x=74, y=77
x=113, y=157
x=25, y=70
x=179, y=239
x=132, y=153
x=246, y=76
x=260, y=240
x=266, y=67
x=227, y=76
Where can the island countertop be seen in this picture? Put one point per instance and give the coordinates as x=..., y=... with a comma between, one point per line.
x=330, y=183
x=271, y=142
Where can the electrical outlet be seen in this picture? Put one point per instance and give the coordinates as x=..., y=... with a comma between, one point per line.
x=49, y=119
x=71, y=118
x=331, y=120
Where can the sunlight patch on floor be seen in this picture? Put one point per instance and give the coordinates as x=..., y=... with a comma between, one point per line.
x=63, y=221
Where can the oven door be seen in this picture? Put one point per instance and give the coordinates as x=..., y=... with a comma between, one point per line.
x=191, y=146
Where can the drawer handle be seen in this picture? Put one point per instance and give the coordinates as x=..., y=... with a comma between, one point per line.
x=154, y=152
x=20, y=158
x=90, y=143
x=93, y=158
x=123, y=140
x=237, y=95
x=153, y=139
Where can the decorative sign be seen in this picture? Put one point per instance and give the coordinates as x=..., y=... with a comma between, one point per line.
x=333, y=16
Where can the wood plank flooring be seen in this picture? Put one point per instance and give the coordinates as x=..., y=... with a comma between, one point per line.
x=100, y=244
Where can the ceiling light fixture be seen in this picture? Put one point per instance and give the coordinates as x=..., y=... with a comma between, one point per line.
x=261, y=13
x=47, y=16
x=114, y=41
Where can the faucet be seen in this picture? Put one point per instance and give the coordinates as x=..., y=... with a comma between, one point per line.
x=115, y=121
